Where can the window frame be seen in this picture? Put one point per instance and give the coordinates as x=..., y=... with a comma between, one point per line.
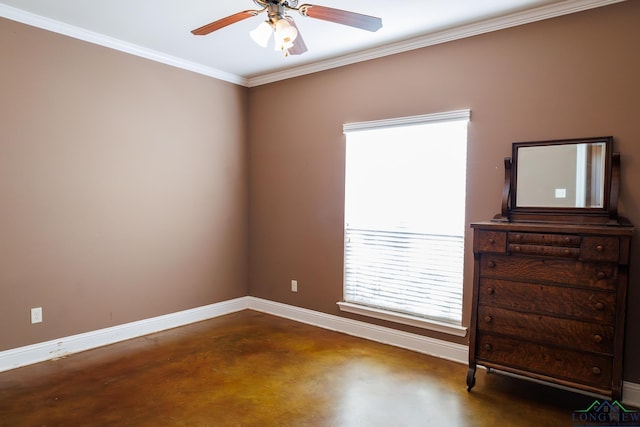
x=388, y=315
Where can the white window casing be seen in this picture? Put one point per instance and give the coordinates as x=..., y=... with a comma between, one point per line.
x=404, y=253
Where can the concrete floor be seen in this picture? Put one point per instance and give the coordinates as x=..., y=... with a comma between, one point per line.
x=253, y=369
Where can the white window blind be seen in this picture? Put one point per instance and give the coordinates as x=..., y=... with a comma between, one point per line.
x=404, y=215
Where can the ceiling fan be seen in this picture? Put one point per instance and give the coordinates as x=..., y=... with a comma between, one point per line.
x=286, y=34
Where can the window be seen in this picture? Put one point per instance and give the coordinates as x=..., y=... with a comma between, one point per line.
x=405, y=219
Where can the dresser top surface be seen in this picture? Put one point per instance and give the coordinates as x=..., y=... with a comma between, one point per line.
x=565, y=228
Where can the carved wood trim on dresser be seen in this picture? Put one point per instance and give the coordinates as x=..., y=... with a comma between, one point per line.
x=549, y=302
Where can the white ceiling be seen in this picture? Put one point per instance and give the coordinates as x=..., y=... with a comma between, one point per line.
x=160, y=30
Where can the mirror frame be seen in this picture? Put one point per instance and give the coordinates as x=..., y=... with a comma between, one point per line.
x=607, y=214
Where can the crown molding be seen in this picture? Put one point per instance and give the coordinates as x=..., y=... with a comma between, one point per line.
x=487, y=26
x=52, y=25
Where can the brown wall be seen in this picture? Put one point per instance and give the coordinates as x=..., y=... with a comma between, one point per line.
x=123, y=187
x=568, y=77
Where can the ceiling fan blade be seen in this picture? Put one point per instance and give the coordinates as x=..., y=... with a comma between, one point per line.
x=221, y=23
x=299, y=47
x=339, y=16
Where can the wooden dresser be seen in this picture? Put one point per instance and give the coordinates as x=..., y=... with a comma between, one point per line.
x=549, y=302
x=551, y=270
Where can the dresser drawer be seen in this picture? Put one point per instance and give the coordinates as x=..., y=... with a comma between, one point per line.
x=545, y=239
x=578, y=366
x=490, y=241
x=542, y=250
x=600, y=248
x=550, y=270
x=568, y=333
x=584, y=304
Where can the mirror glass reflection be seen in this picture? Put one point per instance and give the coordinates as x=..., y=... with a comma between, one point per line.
x=561, y=176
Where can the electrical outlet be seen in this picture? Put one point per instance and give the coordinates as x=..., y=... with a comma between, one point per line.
x=36, y=315
x=294, y=286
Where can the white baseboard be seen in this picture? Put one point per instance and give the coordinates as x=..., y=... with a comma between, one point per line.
x=631, y=394
x=27, y=355
x=23, y=356
x=439, y=348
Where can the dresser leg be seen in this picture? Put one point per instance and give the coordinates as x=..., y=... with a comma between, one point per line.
x=471, y=376
x=616, y=393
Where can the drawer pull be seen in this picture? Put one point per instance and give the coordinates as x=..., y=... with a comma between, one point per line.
x=599, y=248
x=567, y=251
x=517, y=249
x=492, y=241
x=491, y=264
x=599, y=306
x=488, y=347
x=491, y=291
x=597, y=338
x=595, y=370
x=518, y=237
x=488, y=319
x=601, y=274
x=567, y=239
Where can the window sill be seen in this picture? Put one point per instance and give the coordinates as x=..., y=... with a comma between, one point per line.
x=405, y=319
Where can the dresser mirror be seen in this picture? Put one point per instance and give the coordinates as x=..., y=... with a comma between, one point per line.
x=569, y=175
x=562, y=180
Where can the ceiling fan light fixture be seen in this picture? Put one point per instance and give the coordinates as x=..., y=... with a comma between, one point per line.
x=285, y=34
x=285, y=28
x=262, y=33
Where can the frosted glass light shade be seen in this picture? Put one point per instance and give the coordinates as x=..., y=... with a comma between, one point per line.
x=262, y=33
x=285, y=34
